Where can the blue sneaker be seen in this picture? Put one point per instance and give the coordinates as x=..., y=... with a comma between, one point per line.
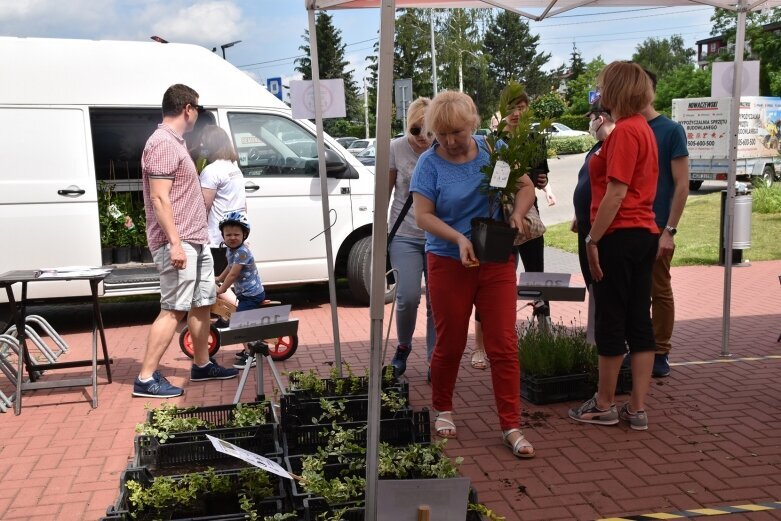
x=661, y=366
x=399, y=361
x=158, y=387
x=212, y=371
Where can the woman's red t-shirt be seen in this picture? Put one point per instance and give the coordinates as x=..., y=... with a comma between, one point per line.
x=629, y=156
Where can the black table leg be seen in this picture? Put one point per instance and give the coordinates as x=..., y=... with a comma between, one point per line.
x=96, y=314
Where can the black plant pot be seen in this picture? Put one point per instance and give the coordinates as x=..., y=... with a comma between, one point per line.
x=146, y=255
x=122, y=255
x=106, y=256
x=492, y=240
x=135, y=253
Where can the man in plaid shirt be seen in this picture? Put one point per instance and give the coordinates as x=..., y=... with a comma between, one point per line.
x=177, y=234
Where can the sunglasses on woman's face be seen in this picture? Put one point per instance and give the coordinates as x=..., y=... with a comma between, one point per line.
x=415, y=131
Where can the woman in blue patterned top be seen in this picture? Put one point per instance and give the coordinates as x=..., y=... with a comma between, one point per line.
x=448, y=192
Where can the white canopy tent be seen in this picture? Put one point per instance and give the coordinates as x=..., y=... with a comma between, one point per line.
x=547, y=9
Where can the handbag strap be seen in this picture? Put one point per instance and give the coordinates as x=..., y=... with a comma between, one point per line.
x=400, y=218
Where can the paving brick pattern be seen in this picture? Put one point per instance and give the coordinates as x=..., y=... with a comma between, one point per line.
x=714, y=435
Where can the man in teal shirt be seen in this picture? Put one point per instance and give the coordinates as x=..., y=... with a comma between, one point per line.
x=671, y=193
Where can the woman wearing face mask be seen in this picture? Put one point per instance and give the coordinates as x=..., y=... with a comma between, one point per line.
x=407, y=246
x=600, y=127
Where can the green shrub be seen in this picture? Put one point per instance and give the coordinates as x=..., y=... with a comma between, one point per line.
x=574, y=121
x=767, y=200
x=559, y=351
x=571, y=145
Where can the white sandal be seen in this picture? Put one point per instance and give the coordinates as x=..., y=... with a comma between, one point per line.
x=445, y=424
x=521, y=448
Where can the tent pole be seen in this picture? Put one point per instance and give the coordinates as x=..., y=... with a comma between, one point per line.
x=379, y=248
x=433, y=54
x=315, y=66
x=729, y=211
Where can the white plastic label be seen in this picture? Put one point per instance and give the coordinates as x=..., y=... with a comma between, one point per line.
x=250, y=457
x=501, y=175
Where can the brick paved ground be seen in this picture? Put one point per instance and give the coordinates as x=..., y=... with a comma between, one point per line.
x=713, y=440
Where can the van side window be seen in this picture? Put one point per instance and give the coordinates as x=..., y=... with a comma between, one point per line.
x=269, y=145
x=118, y=139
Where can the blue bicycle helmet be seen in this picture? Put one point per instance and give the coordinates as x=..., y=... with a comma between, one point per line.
x=238, y=219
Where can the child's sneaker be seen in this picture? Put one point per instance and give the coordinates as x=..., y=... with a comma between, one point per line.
x=157, y=387
x=637, y=420
x=240, y=360
x=212, y=371
x=590, y=413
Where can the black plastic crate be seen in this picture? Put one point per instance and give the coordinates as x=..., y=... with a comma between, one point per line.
x=306, y=439
x=194, y=448
x=296, y=412
x=332, y=469
x=331, y=388
x=123, y=515
x=217, y=415
x=268, y=506
x=566, y=388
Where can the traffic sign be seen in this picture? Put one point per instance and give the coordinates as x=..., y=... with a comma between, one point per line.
x=274, y=86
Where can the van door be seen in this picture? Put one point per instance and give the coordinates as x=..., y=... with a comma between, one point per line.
x=48, y=199
x=278, y=158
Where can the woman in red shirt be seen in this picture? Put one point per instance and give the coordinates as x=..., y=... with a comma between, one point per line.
x=622, y=246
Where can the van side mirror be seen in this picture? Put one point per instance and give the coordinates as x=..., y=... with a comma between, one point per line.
x=336, y=166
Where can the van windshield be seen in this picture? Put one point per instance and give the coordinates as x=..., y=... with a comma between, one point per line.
x=269, y=145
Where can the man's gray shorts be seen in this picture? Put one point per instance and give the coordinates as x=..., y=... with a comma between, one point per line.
x=192, y=287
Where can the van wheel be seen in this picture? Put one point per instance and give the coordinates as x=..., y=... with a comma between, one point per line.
x=695, y=185
x=766, y=179
x=359, y=271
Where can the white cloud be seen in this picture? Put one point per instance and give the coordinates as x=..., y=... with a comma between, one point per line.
x=207, y=23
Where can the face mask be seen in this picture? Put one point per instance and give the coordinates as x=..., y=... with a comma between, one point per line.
x=594, y=126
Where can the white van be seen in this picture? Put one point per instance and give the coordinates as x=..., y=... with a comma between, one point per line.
x=75, y=117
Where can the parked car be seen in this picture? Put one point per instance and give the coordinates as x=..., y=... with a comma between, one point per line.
x=560, y=130
x=346, y=141
x=367, y=155
x=360, y=144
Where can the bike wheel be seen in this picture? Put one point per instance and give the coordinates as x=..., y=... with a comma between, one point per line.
x=283, y=347
x=186, y=341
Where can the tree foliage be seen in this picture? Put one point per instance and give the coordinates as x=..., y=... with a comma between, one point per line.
x=549, y=106
x=683, y=82
x=512, y=52
x=663, y=55
x=578, y=88
x=763, y=45
x=332, y=64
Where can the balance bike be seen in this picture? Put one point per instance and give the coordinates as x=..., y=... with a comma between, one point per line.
x=280, y=348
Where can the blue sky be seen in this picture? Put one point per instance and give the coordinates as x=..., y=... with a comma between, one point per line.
x=270, y=31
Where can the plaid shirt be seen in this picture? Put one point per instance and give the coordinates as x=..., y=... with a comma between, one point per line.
x=165, y=157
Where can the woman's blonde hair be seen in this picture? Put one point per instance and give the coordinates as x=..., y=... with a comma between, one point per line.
x=625, y=89
x=416, y=112
x=451, y=110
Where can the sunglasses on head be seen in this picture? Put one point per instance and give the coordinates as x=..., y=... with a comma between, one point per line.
x=199, y=108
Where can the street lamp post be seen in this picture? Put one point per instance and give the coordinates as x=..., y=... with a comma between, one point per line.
x=226, y=45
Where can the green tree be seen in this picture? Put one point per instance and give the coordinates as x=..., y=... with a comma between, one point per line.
x=332, y=63
x=684, y=82
x=549, y=106
x=512, y=51
x=663, y=55
x=764, y=45
x=576, y=64
x=577, y=89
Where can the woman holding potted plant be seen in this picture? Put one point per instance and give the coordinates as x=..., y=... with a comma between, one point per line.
x=622, y=245
x=449, y=190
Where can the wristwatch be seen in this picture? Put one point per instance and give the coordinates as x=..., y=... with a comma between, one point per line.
x=589, y=240
x=672, y=229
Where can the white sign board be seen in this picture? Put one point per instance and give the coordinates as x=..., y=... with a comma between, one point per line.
x=302, y=99
x=559, y=280
x=260, y=317
x=399, y=499
x=250, y=457
x=723, y=74
x=706, y=122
